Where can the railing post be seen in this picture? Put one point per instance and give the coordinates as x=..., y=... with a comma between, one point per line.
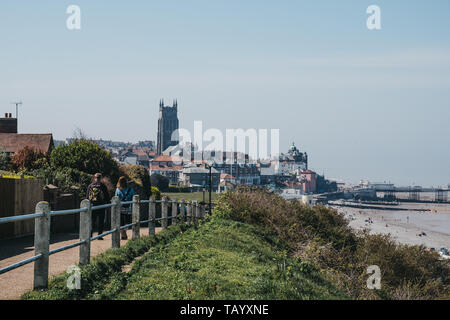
x=41, y=245
x=174, y=211
x=135, y=216
x=151, y=216
x=115, y=222
x=202, y=212
x=195, y=212
x=189, y=212
x=164, y=212
x=182, y=211
x=85, y=232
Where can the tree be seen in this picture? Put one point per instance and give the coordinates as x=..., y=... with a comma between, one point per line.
x=140, y=176
x=159, y=181
x=5, y=160
x=85, y=156
x=28, y=158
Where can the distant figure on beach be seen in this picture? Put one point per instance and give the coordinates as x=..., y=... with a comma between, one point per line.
x=407, y=219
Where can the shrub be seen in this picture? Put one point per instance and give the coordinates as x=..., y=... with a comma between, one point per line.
x=159, y=181
x=140, y=177
x=322, y=236
x=28, y=158
x=85, y=156
x=5, y=160
x=156, y=193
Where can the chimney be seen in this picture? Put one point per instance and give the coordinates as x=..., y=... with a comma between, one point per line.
x=8, y=124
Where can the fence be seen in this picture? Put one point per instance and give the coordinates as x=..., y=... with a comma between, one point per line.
x=181, y=212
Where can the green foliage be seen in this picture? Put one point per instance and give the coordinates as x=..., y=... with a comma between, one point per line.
x=140, y=177
x=223, y=259
x=156, y=193
x=159, y=181
x=175, y=188
x=5, y=160
x=28, y=158
x=322, y=236
x=85, y=156
x=103, y=275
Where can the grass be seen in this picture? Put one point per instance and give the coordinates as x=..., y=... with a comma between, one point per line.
x=219, y=259
x=223, y=259
x=197, y=196
x=12, y=175
x=104, y=270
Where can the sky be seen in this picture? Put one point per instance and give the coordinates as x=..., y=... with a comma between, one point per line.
x=364, y=104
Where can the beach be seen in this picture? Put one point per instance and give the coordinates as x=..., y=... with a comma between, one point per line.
x=405, y=226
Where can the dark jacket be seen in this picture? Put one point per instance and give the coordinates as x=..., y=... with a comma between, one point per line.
x=103, y=189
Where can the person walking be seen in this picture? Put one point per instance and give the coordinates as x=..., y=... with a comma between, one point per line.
x=125, y=193
x=98, y=194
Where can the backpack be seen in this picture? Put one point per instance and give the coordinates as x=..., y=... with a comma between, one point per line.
x=125, y=197
x=96, y=194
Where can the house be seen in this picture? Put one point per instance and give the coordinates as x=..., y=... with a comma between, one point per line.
x=198, y=177
x=11, y=141
x=168, y=166
x=308, y=179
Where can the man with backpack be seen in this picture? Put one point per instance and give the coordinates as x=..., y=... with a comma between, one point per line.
x=98, y=194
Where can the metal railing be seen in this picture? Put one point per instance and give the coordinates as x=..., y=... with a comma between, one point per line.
x=181, y=212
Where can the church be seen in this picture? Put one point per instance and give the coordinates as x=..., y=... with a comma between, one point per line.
x=167, y=125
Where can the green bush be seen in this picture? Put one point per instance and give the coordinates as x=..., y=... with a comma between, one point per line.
x=155, y=192
x=322, y=236
x=5, y=160
x=140, y=177
x=85, y=156
x=159, y=181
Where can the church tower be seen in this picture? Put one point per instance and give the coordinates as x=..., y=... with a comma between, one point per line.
x=167, y=124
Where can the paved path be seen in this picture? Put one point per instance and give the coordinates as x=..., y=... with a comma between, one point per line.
x=18, y=281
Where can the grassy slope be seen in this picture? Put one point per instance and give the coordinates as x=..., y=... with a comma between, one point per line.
x=222, y=259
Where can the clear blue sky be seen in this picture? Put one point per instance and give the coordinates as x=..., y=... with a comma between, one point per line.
x=364, y=104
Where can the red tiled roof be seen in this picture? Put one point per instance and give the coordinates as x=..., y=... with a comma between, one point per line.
x=13, y=142
x=167, y=159
x=226, y=176
x=166, y=168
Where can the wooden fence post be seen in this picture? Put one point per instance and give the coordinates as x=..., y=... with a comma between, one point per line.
x=85, y=232
x=151, y=216
x=135, y=216
x=182, y=211
x=174, y=211
x=164, y=212
x=41, y=245
x=189, y=212
x=195, y=212
x=202, y=212
x=115, y=222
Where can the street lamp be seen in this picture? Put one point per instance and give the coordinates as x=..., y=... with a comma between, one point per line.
x=209, y=165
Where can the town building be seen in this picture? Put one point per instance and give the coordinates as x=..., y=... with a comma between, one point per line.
x=167, y=166
x=167, y=125
x=197, y=177
x=292, y=161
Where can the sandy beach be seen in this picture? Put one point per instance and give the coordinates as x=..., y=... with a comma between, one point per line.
x=405, y=226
